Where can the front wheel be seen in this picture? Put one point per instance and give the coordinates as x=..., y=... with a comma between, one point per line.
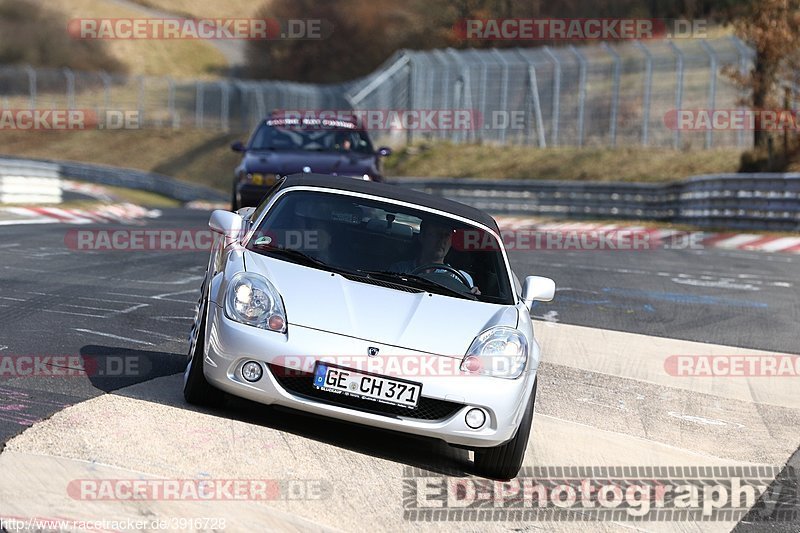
x=503, y=462
x=196, y=388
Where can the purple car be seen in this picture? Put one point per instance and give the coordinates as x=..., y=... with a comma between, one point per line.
x=282, y=145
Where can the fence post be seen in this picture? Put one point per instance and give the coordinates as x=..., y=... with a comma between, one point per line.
x=612, y=130
x=648, y=88
x=106, y=89
x=537, y=109
x=141, y=100
x=581, y=91
x=504, y=94
x=199, y=104
x=743, y=53
x=171, y=103
x=678, y=89
x=31, y=86
x=70, y=78
x=464, y=94
x=225, y=95
x=712, y=87
x=556, y=94
x=410, y=98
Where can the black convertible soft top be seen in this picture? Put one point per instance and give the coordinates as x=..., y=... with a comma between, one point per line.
x=394, y=192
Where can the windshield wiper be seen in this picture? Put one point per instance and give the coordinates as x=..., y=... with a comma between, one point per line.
x=296, y=256
x=418, y=280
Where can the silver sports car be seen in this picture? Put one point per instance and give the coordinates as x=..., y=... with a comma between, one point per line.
x=374, y=304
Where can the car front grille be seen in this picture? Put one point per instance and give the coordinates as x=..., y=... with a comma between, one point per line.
x=300, y=384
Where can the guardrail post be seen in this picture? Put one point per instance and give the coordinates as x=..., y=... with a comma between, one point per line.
x=612, y=130
x=678, y=89
x=712, y=86
x=648, y=87
x=581, y=91
x=556, y=102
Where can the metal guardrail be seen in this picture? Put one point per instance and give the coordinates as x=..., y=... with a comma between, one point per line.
x=763, y=201
x=116, y=177
x=31, y=182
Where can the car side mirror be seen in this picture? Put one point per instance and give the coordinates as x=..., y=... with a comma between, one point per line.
x=384, y=151
x=227, y=224
x=538, y=289
x=237, y=146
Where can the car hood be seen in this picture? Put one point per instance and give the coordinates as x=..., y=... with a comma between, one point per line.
x=421, y=321
x=284, y=163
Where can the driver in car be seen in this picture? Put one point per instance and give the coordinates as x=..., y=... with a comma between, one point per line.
x=435, y=240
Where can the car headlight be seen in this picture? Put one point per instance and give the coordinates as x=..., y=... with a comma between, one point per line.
x=500, y=352
x=251, y=299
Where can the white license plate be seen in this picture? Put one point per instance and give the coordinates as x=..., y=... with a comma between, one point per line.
x=357, y=384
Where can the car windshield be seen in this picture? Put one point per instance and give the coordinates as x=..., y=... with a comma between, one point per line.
x=378, y=241
x=337, y=136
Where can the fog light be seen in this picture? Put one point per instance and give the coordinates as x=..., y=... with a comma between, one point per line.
x=475, y=418
x=251, y=371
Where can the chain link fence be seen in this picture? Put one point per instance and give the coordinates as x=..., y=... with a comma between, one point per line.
x=599, y=95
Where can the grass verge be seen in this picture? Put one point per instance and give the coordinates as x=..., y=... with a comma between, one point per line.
x=197, y=156
x=583, y=164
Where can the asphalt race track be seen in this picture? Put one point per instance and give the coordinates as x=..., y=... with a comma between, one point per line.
x=605, y=399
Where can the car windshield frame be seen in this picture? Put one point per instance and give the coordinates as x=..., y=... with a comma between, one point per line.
x=505, y=276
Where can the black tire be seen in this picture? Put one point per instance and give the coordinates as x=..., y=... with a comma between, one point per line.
x=504, y=462
x=196, y=389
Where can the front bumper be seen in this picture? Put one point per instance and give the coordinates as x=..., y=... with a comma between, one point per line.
x=445, y=398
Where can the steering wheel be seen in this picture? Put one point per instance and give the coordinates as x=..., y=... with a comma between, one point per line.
x=441, y=266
